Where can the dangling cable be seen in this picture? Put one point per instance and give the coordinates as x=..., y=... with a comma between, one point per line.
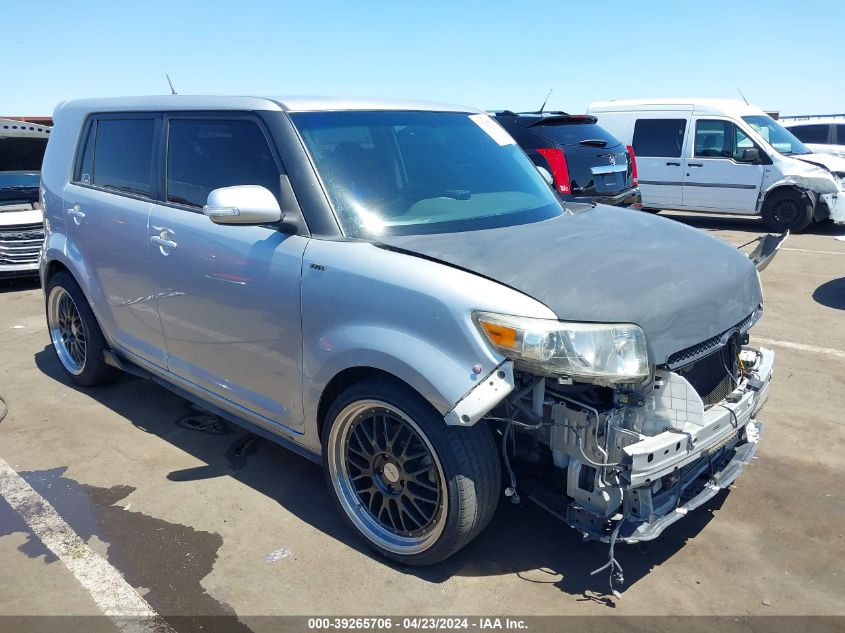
x=615, y=568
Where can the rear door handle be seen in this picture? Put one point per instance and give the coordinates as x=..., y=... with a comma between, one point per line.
x=695, y=164
x=77, y=214
x=672, y=163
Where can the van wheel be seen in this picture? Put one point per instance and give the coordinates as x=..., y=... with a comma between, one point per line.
x=414, y=488
x=77, y=339
x=787, y=209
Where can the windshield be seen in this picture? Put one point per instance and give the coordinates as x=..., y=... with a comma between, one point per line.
x=776, y=135
x=395, y=172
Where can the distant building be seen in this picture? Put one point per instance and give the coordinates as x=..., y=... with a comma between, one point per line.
x=38, y=120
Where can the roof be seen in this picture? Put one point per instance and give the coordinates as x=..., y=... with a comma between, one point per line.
x=700, y=105
x=225, y=102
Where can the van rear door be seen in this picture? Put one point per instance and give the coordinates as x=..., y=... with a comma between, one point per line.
x=721, y=171
x=658, y=142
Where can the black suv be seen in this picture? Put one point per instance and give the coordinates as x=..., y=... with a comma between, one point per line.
x=586, y=163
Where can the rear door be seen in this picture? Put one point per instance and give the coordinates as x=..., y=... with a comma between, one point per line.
x=228, y=296
x=658, y=143
x=717, y=175
x=108, y=203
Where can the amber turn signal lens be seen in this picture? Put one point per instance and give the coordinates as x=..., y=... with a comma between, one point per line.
x=500, y=335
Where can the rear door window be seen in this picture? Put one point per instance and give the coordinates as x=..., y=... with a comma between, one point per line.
x=840, y=134
x=123, y=155
x=204, y=155
x=659, y=137
x=816, y=133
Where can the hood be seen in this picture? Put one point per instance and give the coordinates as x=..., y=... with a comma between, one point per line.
x=607, y=264
x=833, y=163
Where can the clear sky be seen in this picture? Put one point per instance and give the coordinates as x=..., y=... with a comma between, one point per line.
x=784, y=55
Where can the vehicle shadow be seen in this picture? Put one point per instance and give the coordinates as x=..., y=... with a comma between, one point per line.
x=743, y=224
x=522, y=540
x=831, y=294
x=18, y=284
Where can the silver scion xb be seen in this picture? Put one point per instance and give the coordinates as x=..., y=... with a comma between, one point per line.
x=393, y=289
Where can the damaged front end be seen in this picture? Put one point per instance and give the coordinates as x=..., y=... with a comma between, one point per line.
x=620, y=462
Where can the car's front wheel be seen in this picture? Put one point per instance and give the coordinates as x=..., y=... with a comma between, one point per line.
x=414, y=488
x=77, y=339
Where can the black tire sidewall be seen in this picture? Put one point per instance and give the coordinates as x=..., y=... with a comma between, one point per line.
x=405, y=399
x=802, y=222
x=95, y=371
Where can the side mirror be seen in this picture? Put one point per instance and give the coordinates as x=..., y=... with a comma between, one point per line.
x=242, y=204
x=546, y=175
x=751, y=155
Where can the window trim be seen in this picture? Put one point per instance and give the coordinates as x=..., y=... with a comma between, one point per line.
x=96, y=117
x=209, y=115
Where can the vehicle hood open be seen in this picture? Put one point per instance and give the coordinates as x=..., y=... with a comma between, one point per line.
x=606, y=264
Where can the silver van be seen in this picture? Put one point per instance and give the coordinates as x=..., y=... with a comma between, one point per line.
x=392, y=289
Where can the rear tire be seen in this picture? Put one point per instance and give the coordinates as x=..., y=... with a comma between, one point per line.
x=414, y=488
x=77, y=339
x=787, y=209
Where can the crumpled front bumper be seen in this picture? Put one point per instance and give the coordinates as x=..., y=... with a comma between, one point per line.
x=836, y=205
x=664, y=487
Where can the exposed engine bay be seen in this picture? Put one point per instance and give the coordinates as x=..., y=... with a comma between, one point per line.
x=622, y=463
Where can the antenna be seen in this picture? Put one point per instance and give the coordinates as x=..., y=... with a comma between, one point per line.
x=542, y=107
x=172, y=89
x=742, y=95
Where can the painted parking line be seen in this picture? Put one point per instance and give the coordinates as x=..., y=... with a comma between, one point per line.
x=114, y=596
x=809, y=250
x=827, y=351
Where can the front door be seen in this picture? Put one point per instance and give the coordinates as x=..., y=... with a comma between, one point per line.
x=228, y=296
x=658, y=143
x=718, y=175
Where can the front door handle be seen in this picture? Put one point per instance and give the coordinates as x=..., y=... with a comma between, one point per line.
x=77, y=214
x=695, y=164
x=672, y=163
x=163, y=240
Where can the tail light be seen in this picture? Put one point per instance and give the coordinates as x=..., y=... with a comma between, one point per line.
x=560, y=171
x=636, y=181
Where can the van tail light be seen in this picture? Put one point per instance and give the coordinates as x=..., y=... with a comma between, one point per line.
x=634, y=178
x=560, y=170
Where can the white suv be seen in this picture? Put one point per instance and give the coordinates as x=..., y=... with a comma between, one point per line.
x=822, y=134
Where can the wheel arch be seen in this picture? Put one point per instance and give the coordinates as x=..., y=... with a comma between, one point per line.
x=813, y=198
x=345, y=379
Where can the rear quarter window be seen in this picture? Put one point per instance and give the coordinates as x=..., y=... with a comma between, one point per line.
x=659, y=137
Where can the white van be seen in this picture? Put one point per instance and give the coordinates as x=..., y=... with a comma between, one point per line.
x=824, y=134
x=725, y=156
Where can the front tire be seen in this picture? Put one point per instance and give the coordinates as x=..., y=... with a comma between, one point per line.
x=414, y=488
x=77, y=339
x=787, y=209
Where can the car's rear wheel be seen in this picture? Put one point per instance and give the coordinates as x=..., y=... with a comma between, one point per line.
x=414, y=488
x=787, y=209
x=77, y=339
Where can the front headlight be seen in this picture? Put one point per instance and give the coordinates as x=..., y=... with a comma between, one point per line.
x=599, y=352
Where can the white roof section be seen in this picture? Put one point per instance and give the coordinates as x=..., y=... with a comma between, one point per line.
x=19, y=129
x=225, y=102
x=728, y=107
